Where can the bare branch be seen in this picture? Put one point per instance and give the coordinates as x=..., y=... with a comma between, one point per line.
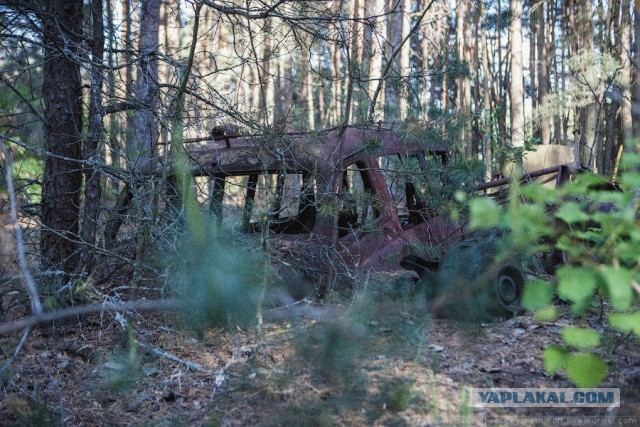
x=84, y=310
x=27, y=278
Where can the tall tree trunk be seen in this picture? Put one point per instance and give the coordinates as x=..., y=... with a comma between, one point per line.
x=92, y=189
x=336, y=84
x=588, y=115
x=551, y=49
x=626, y=75
x=533, y=32
x=501, y=83
x=365, y=67
x=322, y=111
x=375, y=64
x=62, y=181
x=268, y=88
x=486, y=92
x=128, y=64
x=461, y=30
x=112, y=149
x=516, y=89
x=308, y=89
x=635, y=111
x=393, y=79
x=145, y=126
x=427, y=31
x=543, y=75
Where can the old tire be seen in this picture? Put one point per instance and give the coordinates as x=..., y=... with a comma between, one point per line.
x=470, y=285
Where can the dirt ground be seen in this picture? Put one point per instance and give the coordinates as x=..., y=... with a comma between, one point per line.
x=390, y=365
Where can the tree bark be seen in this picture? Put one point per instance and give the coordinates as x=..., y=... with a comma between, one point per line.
x=635, y=111
x=393, y=80
x=62, y=180
x=145, y=126
x=92, y=190
x=516, y=88
x=543, y=76
x=487, y=138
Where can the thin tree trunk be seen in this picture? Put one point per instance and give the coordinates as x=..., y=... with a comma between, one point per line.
x=588, y=114
x=145, y=124
x=322, y=111
x=393, y=80
x=128, y=61
x=375, y=65
x=92, y=190
x=486, y=91
x=635, y=111
x=551, y=49
x=424, y=45
x=516, y=88
x=543, y=76
x=626, y=76
x=533, y=32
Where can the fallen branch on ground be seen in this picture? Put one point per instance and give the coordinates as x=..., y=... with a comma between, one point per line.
x=104, y=307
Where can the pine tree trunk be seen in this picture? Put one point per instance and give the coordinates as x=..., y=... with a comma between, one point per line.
x=393, y=80
x=635, y=111
x=516, y=88
x=92, y=189
x=543, y=75
x=145, y=125
x=487, y=110
x=62, y=180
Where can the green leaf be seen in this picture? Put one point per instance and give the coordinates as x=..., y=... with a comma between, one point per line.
x=618, y=281
x=554, y=358
x=485, y=213
x=628, y=252
x=537, y=294
x=546, y=314
x=571, y=213
x=630, y=160
x=580, y=338
x=586, y=370
x=626, y=322
x=594, y=236
x=630, y=180
x=539, y=193
x=577, y=285
x=567, y=245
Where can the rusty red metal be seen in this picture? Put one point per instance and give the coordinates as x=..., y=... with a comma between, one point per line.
x=380, y=244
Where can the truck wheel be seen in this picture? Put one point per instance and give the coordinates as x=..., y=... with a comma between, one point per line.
x=471, y=286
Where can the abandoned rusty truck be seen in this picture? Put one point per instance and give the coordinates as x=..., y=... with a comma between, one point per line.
x=351, y=200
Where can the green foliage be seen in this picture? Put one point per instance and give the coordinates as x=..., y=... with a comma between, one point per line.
x=485, y=213
x=580, y=338
x=221, y=282
x=26, y=170
x=538, y=294
x=554, y=359
x=595, y=228
x=586, y=369
x=397, y=394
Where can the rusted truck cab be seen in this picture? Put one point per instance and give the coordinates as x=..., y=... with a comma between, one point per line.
x=358, y=193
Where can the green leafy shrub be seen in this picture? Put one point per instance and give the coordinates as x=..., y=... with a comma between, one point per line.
x=593, y=228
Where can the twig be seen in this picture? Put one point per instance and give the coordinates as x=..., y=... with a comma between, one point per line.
x=6, y=366
x=29, y=283
x=70, y=312
x=191, y=365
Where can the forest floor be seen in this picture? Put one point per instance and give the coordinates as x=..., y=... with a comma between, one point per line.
x=383, y=362
x=391, y=366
